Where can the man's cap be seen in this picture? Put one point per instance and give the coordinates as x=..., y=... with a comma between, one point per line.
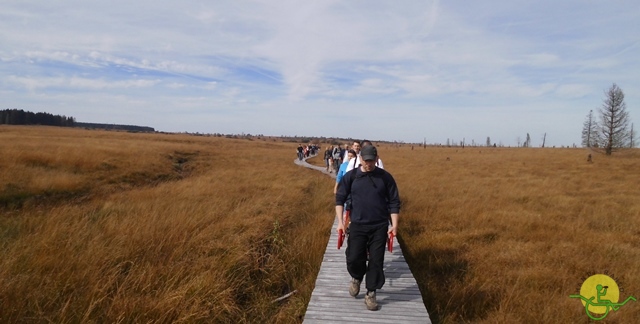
x=369, y=152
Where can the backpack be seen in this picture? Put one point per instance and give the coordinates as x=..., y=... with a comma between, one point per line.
x=353, y=177
x=336, y=153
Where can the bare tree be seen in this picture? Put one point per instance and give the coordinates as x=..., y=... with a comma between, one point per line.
x=488, y=141
x=590, y=131
x=614, y=120
x=544, y=139
x=632, y=137
x=527, y=142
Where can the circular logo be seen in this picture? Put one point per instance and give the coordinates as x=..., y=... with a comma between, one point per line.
x=599, y=295
x=600, y=287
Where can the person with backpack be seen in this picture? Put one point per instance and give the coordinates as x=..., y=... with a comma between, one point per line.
x=328, y=158
x=337, y=158
x=374, y=201
x=355, y=146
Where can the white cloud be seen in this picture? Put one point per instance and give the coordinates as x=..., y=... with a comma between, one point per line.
x=425, y=59
x=34, y=84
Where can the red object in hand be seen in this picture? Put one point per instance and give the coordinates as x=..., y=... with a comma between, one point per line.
x=390, y=242
x=341, y=232
x=340, y=238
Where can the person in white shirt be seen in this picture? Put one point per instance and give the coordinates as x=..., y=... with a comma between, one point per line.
x=357, y=161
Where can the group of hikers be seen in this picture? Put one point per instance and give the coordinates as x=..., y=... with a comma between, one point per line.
x=370, y=194
x=305, y=151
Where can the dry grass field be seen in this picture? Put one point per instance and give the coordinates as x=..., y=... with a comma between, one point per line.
x=500, y=235
x=112, y=227
x=119, y=227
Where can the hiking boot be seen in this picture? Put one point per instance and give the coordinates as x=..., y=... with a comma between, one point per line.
x=370, y=300
x=354, y=288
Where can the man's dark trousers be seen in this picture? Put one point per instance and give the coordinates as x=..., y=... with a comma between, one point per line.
x=374, y=239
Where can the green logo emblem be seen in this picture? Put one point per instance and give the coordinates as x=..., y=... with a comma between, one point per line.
x=600, y=294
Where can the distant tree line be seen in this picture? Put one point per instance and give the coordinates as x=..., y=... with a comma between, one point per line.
x=21, y=117
x=129, y=128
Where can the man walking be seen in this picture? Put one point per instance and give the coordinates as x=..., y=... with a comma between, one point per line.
x=336, y=158
x=374, y=199
x=300, y=152
x=328, y=159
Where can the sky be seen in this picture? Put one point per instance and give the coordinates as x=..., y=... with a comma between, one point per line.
x=408, y=71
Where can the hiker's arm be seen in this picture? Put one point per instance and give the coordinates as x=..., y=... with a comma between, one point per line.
x=393, y=195
x=342, y=193
x=339, y=212
x=394, y=204
x=394, y=224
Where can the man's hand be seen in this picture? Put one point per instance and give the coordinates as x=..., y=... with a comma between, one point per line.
x=340, y=226
x=392, y=233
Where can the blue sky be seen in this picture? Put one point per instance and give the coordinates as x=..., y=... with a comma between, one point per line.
x=382, y=70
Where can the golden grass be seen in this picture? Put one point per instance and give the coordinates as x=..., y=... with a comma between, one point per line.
x=145, y=240
x=117, y=227
x=506, y=235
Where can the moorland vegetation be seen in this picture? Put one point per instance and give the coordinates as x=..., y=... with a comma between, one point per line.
x=99, y=226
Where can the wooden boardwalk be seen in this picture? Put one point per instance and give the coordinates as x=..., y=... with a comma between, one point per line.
x=399, y=300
